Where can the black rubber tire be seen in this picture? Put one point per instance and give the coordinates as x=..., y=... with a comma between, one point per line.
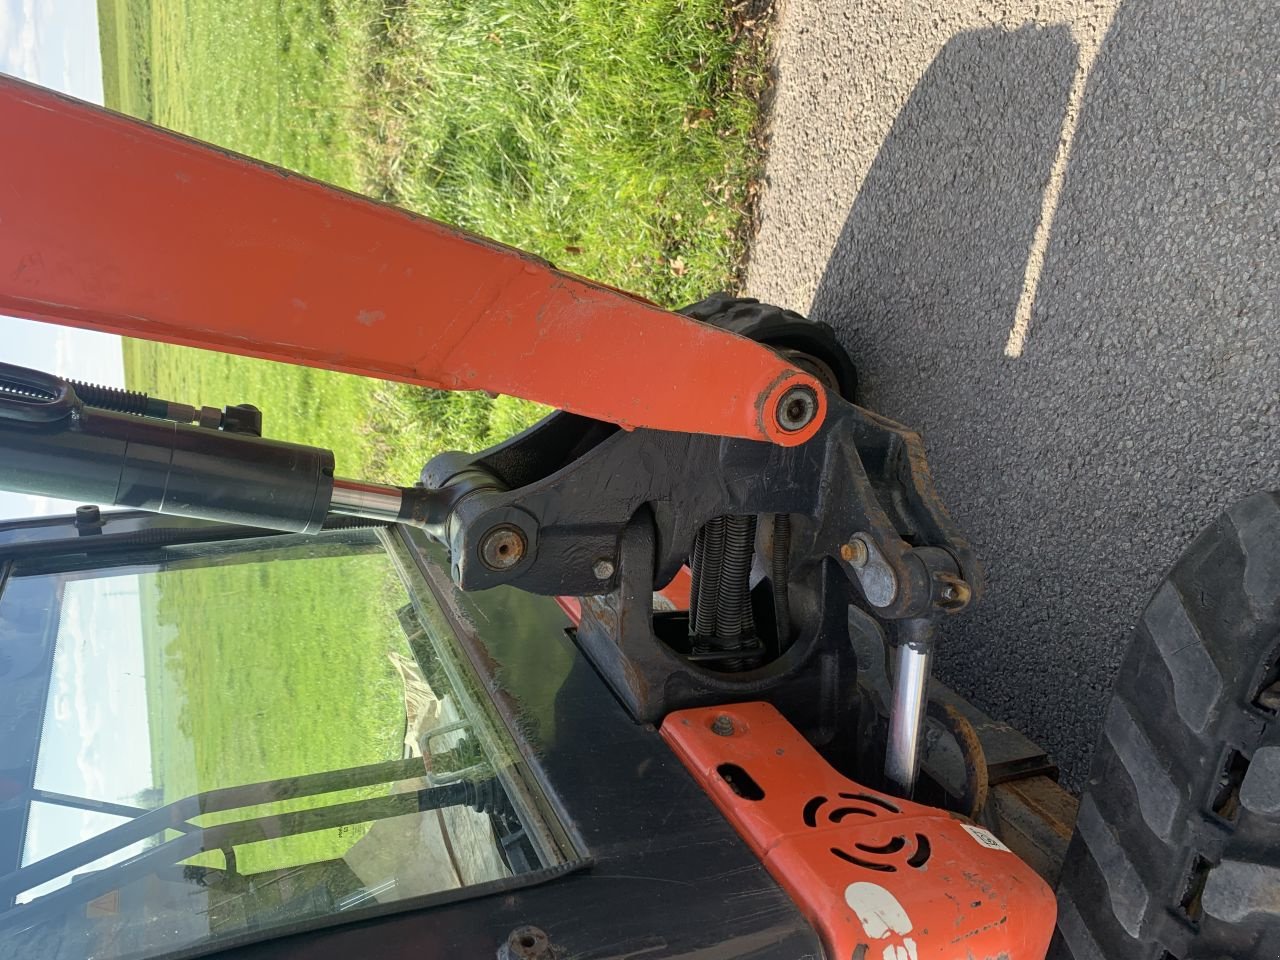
x=783, y=330
x=1176, y=853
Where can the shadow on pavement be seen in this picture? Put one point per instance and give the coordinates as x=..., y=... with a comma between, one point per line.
x=1148, y=395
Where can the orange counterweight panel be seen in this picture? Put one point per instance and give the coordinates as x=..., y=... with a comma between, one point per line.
x=115, y=225
x=879, y=877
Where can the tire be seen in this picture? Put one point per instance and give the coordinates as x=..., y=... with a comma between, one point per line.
x=1176, y=852
x=796, y=338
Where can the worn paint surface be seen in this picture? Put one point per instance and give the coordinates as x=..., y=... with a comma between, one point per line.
x=894, y=879
x=114, y=225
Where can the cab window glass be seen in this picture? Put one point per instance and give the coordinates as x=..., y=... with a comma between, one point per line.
x=229, y=747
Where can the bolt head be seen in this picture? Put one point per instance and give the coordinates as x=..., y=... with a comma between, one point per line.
x=855, y=553
x=796, y=409
x=722, y=726
x=502, y=547
x=602, y=568
x=955, y=594
x=527, y=943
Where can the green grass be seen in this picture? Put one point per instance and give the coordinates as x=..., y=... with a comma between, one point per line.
x=124, y=35
x=612, y=138
x=273, y=80
x=268, y=670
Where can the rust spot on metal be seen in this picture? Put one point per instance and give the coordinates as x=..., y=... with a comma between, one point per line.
x=1050, y=802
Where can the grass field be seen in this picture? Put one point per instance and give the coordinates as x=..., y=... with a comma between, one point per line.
x=614, y=139
x=124, y=34
x=260, y=671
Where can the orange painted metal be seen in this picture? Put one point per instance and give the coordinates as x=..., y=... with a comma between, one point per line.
x=676, y=593
x=879, y=877
x=572, y=607
x=115, y=225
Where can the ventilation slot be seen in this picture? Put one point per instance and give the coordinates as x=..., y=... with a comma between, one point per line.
x=866, y=864
x=893, y=846
x=740, y=782
x=868, y=798
x=923, y=851
x=840, y=813
x=811, y=811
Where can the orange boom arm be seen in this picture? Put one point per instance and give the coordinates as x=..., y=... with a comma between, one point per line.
x=114, y=225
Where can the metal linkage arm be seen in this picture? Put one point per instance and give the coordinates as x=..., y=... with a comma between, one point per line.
x=115, y=225
x=574, y=507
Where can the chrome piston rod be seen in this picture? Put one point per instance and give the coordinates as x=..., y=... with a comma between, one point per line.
x=913, y=658
x=372, y=501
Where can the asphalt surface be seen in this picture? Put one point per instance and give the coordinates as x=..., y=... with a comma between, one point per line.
x=1049, y=232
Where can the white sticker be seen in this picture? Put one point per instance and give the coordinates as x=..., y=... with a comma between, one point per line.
x=986, y=838
x=883, y=918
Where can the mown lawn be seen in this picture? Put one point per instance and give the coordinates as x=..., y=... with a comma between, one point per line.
x=124, y=34
x=612, y=138
x=263, y=671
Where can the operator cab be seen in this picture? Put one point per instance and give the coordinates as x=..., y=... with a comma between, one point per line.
x=210, y=735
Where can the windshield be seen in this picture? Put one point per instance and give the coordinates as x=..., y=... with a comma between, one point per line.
x=202, y=751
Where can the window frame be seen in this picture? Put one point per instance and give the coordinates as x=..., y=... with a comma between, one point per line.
x=142, y=543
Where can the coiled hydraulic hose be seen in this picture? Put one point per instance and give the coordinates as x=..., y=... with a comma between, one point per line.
x=114, y=398
x=708, y=560
x=720, y=613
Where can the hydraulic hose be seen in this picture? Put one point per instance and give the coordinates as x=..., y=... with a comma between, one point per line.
x=709, y=558
x=131, y=401
x=733, y=607
x=720, y=613
x=779, y=575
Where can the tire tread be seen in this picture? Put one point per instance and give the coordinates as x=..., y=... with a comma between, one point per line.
x=1181, y=706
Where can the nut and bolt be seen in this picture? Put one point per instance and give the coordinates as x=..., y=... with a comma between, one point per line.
x=602, y=568
x=502, y=547
x=796, y=409
x=955, y=593
x=855, y=552
x=722, y=726
x=527, y=943
x=88, y=515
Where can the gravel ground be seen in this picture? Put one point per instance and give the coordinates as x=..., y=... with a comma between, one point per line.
x=1049, y=233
